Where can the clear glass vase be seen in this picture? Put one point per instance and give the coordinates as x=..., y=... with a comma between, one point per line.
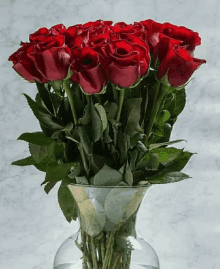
x=107, y=237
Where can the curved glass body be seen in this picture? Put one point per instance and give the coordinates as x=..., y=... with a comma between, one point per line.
x=107, y=237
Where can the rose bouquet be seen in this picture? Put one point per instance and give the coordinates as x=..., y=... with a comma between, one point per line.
x=108, y=97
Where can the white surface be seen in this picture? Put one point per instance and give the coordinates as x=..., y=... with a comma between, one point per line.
x=181, y=220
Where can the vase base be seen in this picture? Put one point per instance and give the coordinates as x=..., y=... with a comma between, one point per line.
x=69, y=256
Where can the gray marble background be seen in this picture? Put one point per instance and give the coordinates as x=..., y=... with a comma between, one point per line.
x=180, y=220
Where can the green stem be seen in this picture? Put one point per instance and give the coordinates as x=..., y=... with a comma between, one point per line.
x=82, y=152
x=121, y=100
x=84, y=250
x=88, y=98
x=148, y=126
x=65, y=152
x=116, y=261
x=115, y=93
x=69, y=94
x=103, y=248
x=155, y=109
x=94, y=258
x=98, y=97
x=109, y=249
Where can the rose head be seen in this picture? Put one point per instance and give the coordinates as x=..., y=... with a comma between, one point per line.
x=175, y=61
x=45, y=58
x=189, y=38
x=89, y=71
x=24, y=66
x=126, y=61
x=51, y=57
x=53, y=31
x=152, y=29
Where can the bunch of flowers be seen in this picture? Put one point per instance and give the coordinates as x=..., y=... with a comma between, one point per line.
x=108, y=97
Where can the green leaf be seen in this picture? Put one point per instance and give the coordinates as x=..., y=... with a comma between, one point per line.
x=44, y=117
x=133, y=157
x=75, y=170
x=92, y=214
x=24, y=162
x=65, y=111
x=96, y=123
x=128, y=176
x=163, y=117
x=97, y=162
x=40, y=152
x=123, y=146
x=167, y=155
x=178, y=103
x=132, y=110
x=122, y=183
x=102, y=114
x=149, y=162
x=67, y=203
x=36, y=138
x=157, y=145
x=38, y=99
x=84, y=139
x=82, y=180
x=107, y=176
x=56, y=100
x=178, y=163
x=56, y=173
x=45, y=96
x=86, y=119
x=169, y=177
x=106, y=137
x=135, y=138
x=111, y=110
x=122, y=169
x=43, y=164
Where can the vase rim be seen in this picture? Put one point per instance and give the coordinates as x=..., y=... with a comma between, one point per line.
x=95, y=186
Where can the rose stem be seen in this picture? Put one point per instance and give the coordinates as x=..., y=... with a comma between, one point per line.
x=103, y=247
x=129, y=259
x=89, y=248
x=85, y=252
x=98, y=97
x=155, y=108
x=115, y=93
x=110, y=256
x=69, y=94
x=99, y=251
x=121, y=100
x=93, y=253
x=84, y=249
x=124, y=257
x=109, y=246
x=115, y=262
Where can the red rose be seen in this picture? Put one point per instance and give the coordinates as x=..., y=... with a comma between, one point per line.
x=189, y=38
x=122, y=30
x=53, y=31
x=126, y=61
x=152, y=29
x=89, y=72
x=24, y=66
x=175, y=61
x=51, y=56
x=90, y=29
x=71, y=33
